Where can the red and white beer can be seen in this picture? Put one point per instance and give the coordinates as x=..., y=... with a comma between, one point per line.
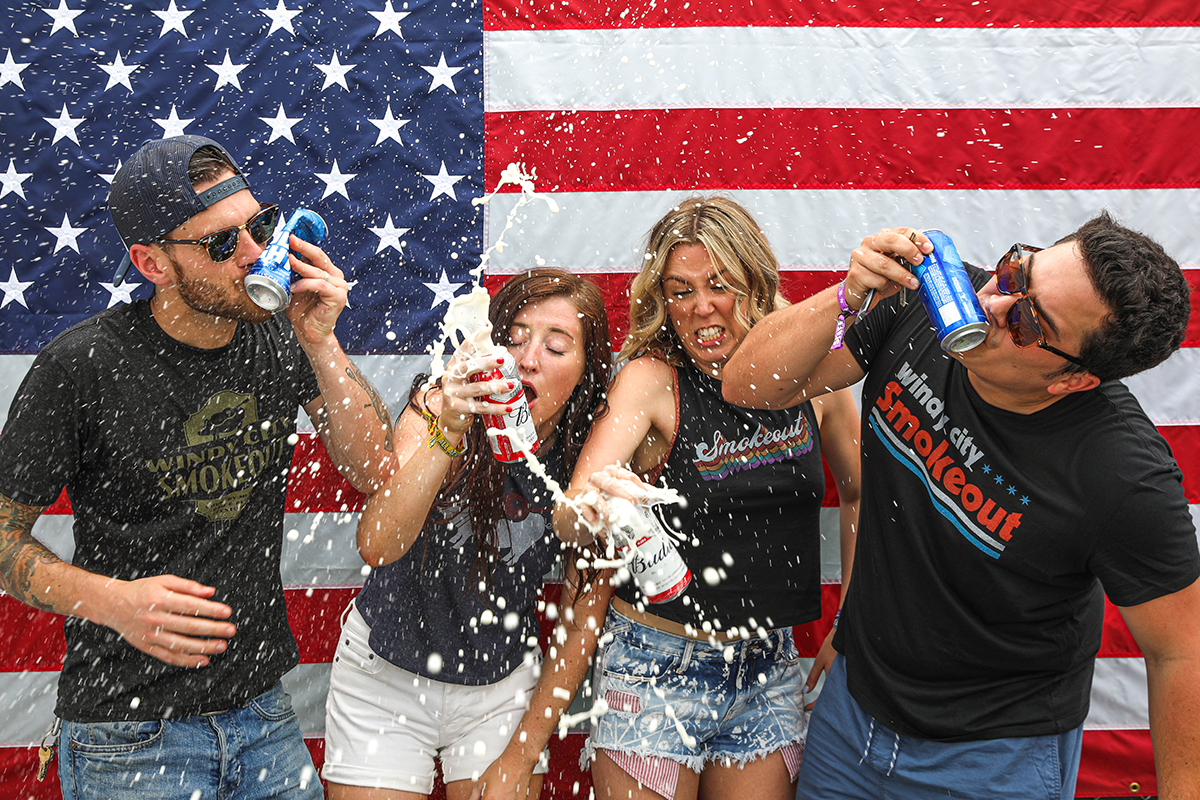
x=519, y=421
x=659, y=571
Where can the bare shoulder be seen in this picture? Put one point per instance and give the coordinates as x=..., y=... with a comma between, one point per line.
x=645, y=384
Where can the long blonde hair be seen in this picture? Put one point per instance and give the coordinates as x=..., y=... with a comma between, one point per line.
x=736, y=245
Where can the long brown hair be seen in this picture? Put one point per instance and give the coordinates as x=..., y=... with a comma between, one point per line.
x=477, y=485
x=734, y=242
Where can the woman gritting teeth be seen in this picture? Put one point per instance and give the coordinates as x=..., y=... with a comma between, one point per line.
x=709, y=334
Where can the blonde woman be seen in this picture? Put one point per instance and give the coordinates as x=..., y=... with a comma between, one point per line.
x=719, y=658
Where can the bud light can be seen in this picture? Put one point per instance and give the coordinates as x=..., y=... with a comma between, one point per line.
x=269, y=282
x=518, y=422
x=948, y=296
x=659, y=571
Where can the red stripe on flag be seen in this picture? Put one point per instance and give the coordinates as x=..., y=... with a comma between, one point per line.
x=314, y=483
x=1116, y=641
x=1192, y=338
x=18, y=775
x=1185, y=445
x=541, y=15
x=316, y=619
x=1116, y=763
x=30, y=640
x=845, y=148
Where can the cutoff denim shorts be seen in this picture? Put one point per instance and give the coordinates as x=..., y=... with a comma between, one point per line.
x=693, y=702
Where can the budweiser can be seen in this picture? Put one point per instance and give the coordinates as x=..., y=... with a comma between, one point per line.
x=518, y=421
x=659, y=571
x=948, y=296
x=269, y=282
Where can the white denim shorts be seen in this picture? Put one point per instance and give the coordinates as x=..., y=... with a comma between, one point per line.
x=385, y=726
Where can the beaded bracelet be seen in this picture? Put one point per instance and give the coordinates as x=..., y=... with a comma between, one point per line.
x=437, y=437
x=837, y=617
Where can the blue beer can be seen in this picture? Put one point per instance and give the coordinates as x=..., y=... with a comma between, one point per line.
x=948, y=296
x=269, y=282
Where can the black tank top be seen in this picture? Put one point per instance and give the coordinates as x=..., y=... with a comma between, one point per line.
x=754, y=484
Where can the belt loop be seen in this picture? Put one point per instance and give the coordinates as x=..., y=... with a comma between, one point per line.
x=685, y=660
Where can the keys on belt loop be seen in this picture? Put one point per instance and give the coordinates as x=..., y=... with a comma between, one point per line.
x=46, y=751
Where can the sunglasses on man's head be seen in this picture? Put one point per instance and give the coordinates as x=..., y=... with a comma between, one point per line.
x=222, y=244
x=1024, y=326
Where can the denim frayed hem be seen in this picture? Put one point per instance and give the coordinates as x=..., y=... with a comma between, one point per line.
x=694, y=763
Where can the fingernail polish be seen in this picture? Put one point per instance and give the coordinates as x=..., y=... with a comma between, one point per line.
x=511, y=385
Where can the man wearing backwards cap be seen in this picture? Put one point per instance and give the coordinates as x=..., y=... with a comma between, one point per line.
x=171, y=423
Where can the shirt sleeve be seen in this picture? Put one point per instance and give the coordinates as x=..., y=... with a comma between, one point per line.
x=41, y=441
x=1148, y=548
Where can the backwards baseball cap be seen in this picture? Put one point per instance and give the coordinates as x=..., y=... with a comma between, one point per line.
x=152, y=195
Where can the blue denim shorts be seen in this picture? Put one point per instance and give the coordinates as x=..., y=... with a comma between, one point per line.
x=850, y=756
x=256, y=751
x=693, y=702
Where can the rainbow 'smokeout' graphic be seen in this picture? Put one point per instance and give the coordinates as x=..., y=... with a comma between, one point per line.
x=726, y=456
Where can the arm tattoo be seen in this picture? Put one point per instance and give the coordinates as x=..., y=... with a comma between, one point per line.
x=381, y=409
x=20, y=553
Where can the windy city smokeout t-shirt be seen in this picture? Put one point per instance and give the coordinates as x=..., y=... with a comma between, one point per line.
x=754, y=483
x=175, y=460
x=987, y=540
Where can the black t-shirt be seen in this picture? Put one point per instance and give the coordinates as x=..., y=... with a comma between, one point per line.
x=428, y=603
x=987, y=540
x=754, y=483
x=175, y=460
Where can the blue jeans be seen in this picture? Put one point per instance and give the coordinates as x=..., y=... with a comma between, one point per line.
x=250, y=752
x=850, y=755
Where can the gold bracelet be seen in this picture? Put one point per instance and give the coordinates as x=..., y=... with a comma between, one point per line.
x=437, y=437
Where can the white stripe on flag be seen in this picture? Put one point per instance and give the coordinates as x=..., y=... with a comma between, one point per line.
x=597, y=232
x=840, y=67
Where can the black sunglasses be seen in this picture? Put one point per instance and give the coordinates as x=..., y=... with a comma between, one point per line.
x=223, y=244
x=1024, y=326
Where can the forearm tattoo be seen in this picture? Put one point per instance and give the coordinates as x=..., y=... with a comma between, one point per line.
x=381, y=409
x=20, y=553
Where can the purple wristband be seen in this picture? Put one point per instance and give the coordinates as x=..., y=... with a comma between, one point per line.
x=839, y=333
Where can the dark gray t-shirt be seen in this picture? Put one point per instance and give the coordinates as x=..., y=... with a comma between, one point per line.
x=175, y=460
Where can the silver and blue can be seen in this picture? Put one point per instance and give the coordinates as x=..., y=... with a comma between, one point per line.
x=269, y=282
x=948, y=296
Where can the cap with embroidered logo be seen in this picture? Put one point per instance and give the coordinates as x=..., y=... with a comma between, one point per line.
x=152, y=195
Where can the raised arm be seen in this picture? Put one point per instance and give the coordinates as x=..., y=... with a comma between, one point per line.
x=786, y=359
x=164, y=616
x=568, y=657
x=637, y=429
x=1167, y=629
x=350, y=417
x=395, y=514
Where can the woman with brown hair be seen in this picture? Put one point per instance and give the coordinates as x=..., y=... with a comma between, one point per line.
x=439, y=658
x=703, y=691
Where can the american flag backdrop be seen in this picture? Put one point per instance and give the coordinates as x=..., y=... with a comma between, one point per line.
x=995, y=120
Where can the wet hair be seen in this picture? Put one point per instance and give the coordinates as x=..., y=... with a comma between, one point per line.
x=478, y=483
x=735, y=244
x=209, y=163
x=1145, y=291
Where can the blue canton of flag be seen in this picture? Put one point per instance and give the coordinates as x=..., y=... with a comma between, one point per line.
x=368, y=112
